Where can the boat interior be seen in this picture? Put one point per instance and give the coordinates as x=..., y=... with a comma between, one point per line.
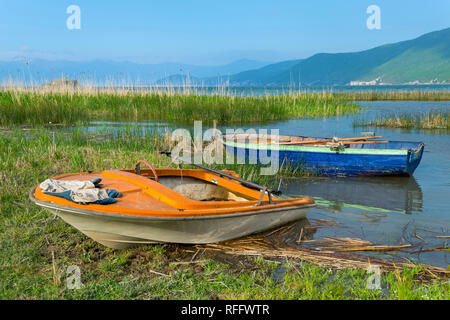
x=298, y=140
x=195, y=188
x=173, y=192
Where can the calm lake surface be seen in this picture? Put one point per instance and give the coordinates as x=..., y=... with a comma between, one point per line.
x=384, y=210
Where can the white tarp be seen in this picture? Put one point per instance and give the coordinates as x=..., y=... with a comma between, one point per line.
x=80, y=191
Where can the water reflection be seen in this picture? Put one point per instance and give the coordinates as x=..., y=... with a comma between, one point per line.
x=378, y=194
x=143, y=127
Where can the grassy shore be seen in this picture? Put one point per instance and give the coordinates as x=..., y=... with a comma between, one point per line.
x=427, y=120
x=34, y=107
x=37, y=248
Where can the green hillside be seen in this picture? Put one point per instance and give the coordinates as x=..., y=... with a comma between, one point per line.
x=413, y=65
x=424, y=59
x=265, y=75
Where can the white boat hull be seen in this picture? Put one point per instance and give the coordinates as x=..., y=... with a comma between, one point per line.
x=121, y=231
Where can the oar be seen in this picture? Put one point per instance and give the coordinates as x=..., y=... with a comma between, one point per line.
x=359, y=142
x=365, y=142
x=249, y=184
x=360, y=138
x=325, y=141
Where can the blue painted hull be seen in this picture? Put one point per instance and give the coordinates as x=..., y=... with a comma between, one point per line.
x=400, y=162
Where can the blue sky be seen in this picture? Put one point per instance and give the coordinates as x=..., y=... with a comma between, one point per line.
x=208, y=32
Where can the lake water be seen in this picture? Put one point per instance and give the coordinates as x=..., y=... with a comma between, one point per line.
x=262, y=91
x=383, y=210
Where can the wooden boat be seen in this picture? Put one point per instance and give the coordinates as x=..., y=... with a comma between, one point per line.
x=190, y=206
x=330, y=156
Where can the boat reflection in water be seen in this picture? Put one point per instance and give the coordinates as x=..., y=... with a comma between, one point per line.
x=399, y=194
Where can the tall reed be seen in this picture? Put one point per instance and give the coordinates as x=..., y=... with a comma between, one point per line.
x=34, y=107
x=413, y=95
x=426, y=120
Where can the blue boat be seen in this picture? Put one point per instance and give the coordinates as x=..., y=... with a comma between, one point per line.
x=329, y=157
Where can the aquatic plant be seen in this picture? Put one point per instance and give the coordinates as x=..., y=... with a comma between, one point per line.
x=405, y=95
x=426, y=120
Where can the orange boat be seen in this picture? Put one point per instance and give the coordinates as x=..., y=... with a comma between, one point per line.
x=191, y=206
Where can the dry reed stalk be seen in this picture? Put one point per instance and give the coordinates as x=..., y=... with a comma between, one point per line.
x=338, y=253
x=299, y=239
x=420, y=238
x=187, y=262
x=349, y=240
x=323, y=221
x=425, y=230
x=355, y=244
x=377, y=248
x=432, y=249
x=158, y=273
x=323, y=258
x=56, y=278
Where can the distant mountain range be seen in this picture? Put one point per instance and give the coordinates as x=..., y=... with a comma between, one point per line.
x=425, y=59
x=105, y=72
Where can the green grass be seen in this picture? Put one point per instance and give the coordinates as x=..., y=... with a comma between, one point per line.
x=426, y=120
x=37, y=248
x=34, y=107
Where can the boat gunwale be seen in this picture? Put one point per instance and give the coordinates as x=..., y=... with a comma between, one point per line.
x=257, y=210
x=324, y=149
x=184, y=207
x=179, y=203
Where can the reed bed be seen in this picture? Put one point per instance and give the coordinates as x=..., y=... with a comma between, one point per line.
x=427, y=120
x=410, y=95
x=70, y=106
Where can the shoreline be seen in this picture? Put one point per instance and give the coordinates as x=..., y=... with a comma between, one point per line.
x=38, y=248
